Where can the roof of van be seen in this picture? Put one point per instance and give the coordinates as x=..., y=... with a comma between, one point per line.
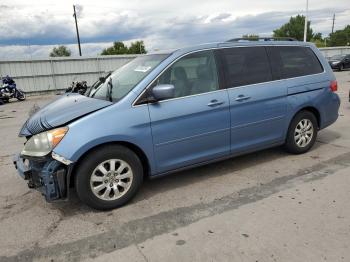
x=232, y=44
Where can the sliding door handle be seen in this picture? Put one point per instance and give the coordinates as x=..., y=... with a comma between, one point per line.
x=242, y=98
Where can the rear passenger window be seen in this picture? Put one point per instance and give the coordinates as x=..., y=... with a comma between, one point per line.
x=293, y=61
x=245, y=66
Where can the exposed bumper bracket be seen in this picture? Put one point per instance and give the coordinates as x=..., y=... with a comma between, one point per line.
x=48, y=176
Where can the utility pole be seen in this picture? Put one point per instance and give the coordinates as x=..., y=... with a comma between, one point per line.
x=333, y=23
x=305, y=26
x=76, y=27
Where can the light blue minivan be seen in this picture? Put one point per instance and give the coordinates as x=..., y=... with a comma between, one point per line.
x=168, y=111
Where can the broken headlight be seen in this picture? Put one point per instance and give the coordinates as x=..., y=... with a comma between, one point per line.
x=42, y=144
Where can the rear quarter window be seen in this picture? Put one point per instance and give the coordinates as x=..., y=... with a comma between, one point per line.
x=293, y=61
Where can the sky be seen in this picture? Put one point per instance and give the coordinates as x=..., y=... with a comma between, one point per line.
x=30, y=29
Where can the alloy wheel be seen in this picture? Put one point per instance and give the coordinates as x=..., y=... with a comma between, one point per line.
x=303, y=133
x=111, y=179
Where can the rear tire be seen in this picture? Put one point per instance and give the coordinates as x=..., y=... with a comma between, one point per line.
x=108, y=177
x=302, y=133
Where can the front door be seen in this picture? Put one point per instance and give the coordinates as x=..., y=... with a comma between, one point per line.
x=194, y=126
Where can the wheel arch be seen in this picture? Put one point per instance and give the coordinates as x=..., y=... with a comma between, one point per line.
x=136, y=149
x=311, y=109
x=290, y=142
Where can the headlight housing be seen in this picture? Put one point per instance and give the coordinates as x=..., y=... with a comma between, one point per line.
x=42, y=144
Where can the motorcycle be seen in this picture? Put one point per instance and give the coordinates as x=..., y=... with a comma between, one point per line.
x=77, y=87
x=9, y=90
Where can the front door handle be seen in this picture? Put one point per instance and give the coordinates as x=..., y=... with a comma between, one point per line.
x=242, y=98
x=215, y=102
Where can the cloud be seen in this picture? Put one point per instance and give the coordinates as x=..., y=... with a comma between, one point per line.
x=99, y=26
x=220, y=17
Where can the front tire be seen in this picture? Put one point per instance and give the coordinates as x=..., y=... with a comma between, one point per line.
x=341, y=67
x=302, y=133
x=21, y=96
x=108, y=177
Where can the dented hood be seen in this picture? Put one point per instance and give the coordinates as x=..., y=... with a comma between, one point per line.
x=60, y=112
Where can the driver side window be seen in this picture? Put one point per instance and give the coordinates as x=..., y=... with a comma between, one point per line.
x=193, y=74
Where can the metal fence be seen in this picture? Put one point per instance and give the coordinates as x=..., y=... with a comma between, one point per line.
x=331, y=51
x=41, y=75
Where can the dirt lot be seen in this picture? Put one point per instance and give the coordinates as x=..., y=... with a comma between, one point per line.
x=265, y=206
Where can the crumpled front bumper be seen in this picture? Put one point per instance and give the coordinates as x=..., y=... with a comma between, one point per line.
x=46, y=175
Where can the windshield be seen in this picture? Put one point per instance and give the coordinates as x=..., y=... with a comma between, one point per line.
x=127, y=77
x=337, y=57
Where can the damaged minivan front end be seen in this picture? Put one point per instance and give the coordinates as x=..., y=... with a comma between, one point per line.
x=45, y=170
x=37, y=163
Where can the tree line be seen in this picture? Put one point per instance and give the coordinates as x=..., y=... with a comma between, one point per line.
x=118, y=48
x=293, y=28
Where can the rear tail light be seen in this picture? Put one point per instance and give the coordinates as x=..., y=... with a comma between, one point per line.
x=334, y=85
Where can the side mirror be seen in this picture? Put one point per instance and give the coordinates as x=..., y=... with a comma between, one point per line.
x=162, y=92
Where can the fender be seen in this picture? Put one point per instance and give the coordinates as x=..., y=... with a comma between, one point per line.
x=116, y=123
